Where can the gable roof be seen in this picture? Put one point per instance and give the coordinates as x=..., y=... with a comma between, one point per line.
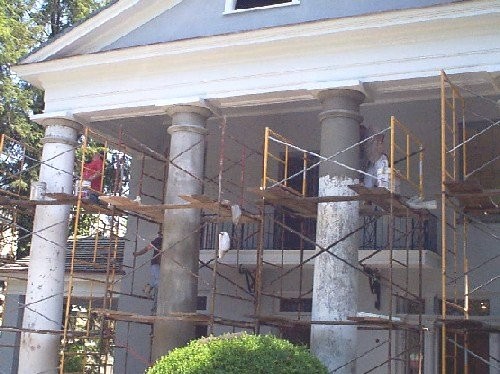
x=105, y=27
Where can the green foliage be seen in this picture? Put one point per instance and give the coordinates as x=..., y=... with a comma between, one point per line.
x=74, y=361
x=18, y=33
x=59, y=14
x=239, y=354
x=82, y=354
x=24, y=26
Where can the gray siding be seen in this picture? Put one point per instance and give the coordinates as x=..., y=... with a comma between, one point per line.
x=198, y=18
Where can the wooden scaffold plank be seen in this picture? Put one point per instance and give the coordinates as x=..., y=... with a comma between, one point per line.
x=221, y=209
x=472, y=197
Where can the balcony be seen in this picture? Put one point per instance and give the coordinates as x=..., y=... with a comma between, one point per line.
x=281, y=247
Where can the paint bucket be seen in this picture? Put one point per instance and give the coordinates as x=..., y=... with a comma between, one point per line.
x=38, y=190
x=384, y=179
x=85, y=188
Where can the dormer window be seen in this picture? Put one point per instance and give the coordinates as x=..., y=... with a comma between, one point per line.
x=233, y=6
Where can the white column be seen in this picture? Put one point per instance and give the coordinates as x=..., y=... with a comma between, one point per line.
x=39, y=353
x=178, y=287
x=335, y=282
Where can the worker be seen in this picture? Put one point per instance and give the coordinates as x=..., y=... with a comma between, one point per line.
x=377, y=163
x=92, y=171
x=155, y=245
x=92, y=175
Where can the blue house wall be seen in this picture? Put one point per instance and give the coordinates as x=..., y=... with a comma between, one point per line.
x=199, y=18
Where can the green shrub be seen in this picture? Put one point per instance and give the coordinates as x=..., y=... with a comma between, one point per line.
x=241, y=354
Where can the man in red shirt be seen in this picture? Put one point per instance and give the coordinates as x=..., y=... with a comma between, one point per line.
x=92, y=171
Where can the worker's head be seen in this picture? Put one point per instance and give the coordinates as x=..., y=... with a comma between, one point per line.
x=96, y=156
x=376, y=147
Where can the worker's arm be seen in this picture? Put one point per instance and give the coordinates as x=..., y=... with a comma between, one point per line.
x=97, y=174
x=144, y=250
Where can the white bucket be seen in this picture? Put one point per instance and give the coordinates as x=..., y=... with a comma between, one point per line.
x=384, y=179
x=85, y=188
x=38, y=190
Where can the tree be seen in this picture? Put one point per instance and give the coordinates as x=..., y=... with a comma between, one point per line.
x=24, y=25
x=60, y=14
x=18, y=33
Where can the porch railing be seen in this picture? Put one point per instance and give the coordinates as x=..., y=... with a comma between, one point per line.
x=407, y=234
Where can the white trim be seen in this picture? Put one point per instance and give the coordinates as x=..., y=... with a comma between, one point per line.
x=230, y=7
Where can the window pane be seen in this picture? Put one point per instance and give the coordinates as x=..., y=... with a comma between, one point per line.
x=247, y=4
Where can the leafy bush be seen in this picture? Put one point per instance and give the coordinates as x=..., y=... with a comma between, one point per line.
x=74, y=362
x=241, y=354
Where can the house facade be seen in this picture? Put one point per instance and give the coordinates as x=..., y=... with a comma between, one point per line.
x=199, y=82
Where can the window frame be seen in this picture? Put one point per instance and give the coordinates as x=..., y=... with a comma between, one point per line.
x=230, y=7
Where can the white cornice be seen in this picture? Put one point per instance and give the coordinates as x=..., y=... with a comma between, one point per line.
x=104, y=28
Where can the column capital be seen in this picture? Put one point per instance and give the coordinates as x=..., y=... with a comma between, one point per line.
x=341, y=103
x=66, y=120
x=333, y=96
x=195, y=109
x=60, y=130
x=188, y=118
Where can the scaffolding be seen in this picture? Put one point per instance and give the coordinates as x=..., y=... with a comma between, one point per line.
x=464, y=201
x=272, y=226
x=404, y=149
x=95, y=255
x=98, y=314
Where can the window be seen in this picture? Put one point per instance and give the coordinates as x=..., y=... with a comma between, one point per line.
x=289, y=238
x=242, y=5
x=248, y=4
x=296, y=305
x=201, y=303
x=200, y=331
